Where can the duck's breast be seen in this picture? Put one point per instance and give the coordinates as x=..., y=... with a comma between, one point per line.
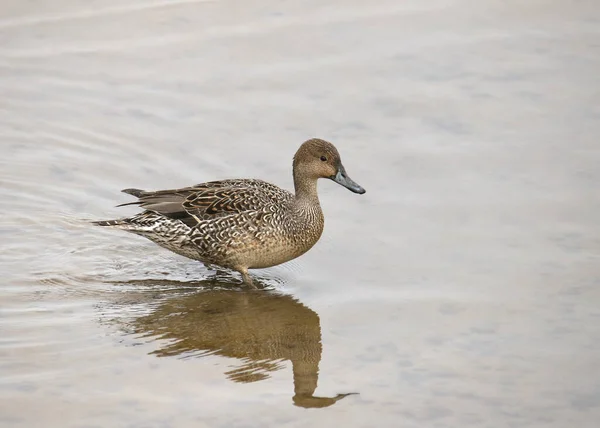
x=281, y=238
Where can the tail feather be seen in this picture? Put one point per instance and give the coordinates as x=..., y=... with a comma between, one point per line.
x=143, y=222
x=134, y=192
x=129, y=203
x=169, y=233
x=119, y=222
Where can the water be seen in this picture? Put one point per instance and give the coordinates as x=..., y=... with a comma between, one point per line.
x=463, y=289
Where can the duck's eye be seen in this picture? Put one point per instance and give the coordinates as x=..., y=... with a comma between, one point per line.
x=323, y=158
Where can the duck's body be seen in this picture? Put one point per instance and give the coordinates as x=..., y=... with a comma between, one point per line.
x=230, y=223
x=241, y=224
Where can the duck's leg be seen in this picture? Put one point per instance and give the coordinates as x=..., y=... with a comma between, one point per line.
x=247, y=280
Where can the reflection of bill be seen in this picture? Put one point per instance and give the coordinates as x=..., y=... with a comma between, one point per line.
x=259, y=327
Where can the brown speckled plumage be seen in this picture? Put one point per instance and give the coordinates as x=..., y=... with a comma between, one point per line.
x=241, y=223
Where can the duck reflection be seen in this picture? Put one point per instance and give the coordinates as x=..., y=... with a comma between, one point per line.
x=261, y=328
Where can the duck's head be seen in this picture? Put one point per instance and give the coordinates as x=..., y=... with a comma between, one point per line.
x=318, y=158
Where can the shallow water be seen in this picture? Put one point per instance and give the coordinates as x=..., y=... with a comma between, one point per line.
x=463, y=289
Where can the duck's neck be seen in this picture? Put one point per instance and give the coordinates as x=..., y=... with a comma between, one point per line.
x=306, y=190
x=307, y=212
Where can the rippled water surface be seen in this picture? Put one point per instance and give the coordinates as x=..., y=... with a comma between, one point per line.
x=463, y=289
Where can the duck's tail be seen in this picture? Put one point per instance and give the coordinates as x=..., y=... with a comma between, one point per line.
x=134, y=192
x=124, y=223
x=142, y=222
x=119, y=222
x=146, y=222
x=167, y=232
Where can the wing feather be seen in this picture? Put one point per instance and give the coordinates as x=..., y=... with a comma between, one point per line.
x=211, y=200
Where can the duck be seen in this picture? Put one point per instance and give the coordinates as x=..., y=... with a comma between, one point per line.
x=241, y=224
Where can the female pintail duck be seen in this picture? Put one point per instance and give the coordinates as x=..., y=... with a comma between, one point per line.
x=241, y=224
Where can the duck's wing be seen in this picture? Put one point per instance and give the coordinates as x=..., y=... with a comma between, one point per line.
x=233, y=196
x=210, y=200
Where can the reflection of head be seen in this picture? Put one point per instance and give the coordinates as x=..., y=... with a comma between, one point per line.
x=260, y=327
x=310, y=401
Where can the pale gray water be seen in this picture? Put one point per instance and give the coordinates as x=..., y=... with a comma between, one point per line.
x=463, y=289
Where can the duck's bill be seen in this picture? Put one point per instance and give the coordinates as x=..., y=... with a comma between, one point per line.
x=342, y=178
